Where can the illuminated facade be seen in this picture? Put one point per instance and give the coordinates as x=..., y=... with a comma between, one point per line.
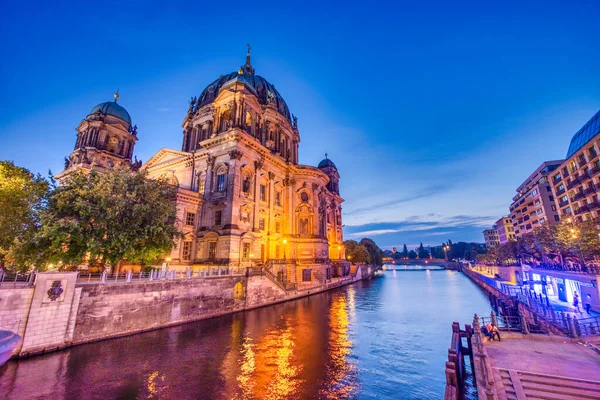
x=491, y=237
x=242, y=197
x=576, y=183
x=105, y=139
x=534, y=204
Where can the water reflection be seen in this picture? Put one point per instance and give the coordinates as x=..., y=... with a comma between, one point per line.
x=385, y=338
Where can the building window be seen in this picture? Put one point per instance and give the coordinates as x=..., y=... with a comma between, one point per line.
x=187, y=250
x=278, y=199
x=556, y=218
x=246, y=185
x=306, y=275
x=261, y=224
x=221, y=182
x=534, y=193
x=212, y=250
x=190, y=218
x=201, y=185
x=277, y=227
x=218, y=215
x=263, y=193
x=246, y=251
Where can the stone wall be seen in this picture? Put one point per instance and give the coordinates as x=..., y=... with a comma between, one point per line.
x=59, y=312
x=52, y=312
x=15, y=304
x=109, y=310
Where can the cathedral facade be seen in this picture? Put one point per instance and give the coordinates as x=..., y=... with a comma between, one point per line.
x=243, y=200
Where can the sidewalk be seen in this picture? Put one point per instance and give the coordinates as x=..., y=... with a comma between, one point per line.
x=570, y=309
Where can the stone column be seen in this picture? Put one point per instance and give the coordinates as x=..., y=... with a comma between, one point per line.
x=233, y=187
x=257, y=167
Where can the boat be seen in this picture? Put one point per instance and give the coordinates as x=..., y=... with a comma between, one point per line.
x=377, y=273
x=8, y=342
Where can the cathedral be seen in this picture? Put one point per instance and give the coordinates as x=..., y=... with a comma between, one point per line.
x=243, y=200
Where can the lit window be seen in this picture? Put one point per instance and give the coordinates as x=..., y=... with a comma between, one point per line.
x=201, y=185
x=187, y=250
x=246, y=251
x=261, y=224
x=189, y=218
x=277, y=227
x=218, y=215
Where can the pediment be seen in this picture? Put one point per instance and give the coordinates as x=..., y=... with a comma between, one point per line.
x=165, y=157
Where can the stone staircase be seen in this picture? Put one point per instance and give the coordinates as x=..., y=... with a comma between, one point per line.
x=521, y=385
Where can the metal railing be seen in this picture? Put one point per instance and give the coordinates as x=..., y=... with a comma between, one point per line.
x=127, y=277
x=16, y=279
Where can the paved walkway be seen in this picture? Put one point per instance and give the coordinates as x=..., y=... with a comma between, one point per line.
x=526, y=368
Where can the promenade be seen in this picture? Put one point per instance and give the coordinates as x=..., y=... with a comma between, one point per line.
x=535, y=367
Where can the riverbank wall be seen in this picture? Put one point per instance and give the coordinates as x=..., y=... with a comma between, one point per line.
x=59, y=311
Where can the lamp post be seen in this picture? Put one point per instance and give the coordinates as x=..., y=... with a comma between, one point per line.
x=446, y=248
x=284, y=243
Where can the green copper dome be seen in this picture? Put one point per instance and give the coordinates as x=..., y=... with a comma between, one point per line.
x=113, y=109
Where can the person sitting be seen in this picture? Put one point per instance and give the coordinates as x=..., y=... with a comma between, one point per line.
x=486, y=332
x=493, y=332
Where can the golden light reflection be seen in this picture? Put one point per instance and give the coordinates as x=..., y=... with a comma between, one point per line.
x=245, y=380
x=339, y=373
x=155, y=386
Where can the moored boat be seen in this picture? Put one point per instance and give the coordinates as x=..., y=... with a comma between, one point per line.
x=8, y=342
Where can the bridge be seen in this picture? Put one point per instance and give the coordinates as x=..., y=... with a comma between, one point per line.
x=414, y=267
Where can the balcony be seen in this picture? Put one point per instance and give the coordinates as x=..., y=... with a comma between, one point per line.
x=573, y=183
x=585, y=176
x=563, y=203
x=592, y=154
x=595, y=170
x=593, y=205
x=578, y=196
x=591, y=189
x=581, y=210
x=560, y=191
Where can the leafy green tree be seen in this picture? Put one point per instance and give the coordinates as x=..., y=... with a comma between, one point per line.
x=23, y=196
x=107, y=218
x=375, y=253
x=350, y=245
x=360, y=254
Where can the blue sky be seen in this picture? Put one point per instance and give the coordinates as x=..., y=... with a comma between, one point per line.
x=433, y=112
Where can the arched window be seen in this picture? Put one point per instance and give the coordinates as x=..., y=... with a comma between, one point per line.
x=246, y=183
x=248, y=122
x=113, y=144
x=238, y=291
x=225, y=120
x=201, y=183
x=221, y=181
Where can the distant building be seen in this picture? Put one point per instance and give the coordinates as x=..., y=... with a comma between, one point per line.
x=576, y=183
x=491, y=237
x=534, y=203
x=506, y=231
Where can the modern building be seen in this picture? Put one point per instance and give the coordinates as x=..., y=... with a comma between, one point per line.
x=506, y=231
x=576, y=183
x=242, y=197
x=534, y=204
x=491, y=237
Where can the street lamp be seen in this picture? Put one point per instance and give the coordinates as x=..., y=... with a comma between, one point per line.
x=284, y=243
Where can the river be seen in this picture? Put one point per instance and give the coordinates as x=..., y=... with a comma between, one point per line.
x=385, y=338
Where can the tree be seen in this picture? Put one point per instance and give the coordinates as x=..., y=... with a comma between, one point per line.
x=23, y=196
x=422, y=252
x=107, y=218
x=412, y=254
x=350, y=245
x=404, y=252
x=375, y=253
x=360, y=254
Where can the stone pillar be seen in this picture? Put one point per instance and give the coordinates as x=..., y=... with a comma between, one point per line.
x=257, y=167
x=53, y=312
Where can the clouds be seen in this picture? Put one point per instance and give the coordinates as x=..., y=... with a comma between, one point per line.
x=431, y=229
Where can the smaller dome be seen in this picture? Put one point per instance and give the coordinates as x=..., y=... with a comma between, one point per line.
x=113, y=109
x=326, y=163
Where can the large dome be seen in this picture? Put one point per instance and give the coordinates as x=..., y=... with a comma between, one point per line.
x=265, y=91
x=113, y=109
x=326, y=162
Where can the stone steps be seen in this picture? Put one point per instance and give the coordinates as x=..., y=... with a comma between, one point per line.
x=521, y=385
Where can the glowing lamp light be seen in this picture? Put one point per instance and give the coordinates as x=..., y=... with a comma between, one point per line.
x=168, y=259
